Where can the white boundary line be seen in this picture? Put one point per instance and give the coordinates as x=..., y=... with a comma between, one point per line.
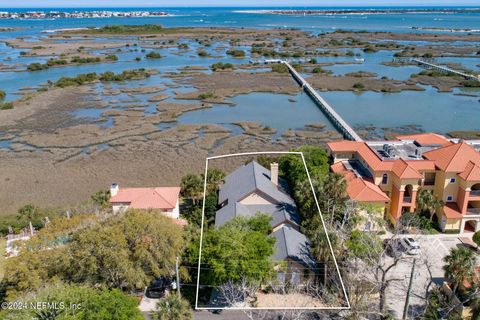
x=323, y=224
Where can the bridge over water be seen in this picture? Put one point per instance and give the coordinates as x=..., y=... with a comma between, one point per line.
x=331, y=114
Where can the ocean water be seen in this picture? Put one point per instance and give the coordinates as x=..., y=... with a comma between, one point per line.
x=433, y=111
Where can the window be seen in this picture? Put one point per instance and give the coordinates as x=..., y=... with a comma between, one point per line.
x=453, y=180
x=449, y=198
x=385, y=178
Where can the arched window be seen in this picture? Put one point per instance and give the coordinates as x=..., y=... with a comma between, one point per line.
x=385, y=178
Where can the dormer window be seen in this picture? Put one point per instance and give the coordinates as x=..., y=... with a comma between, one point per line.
x=453, y=180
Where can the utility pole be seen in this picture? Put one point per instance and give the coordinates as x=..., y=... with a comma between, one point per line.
x=407, y=299
x=178, y=278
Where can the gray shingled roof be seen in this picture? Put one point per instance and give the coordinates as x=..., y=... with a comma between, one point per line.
x=248, y=178
x=281, y=213
x=251, y=178
x=292, y=244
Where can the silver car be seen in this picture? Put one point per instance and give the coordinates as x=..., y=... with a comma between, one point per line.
x=411, y=246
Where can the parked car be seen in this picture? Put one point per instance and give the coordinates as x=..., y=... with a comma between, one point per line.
x=159, y=287
x=411, y=246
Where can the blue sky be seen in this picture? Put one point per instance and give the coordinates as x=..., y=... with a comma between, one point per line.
x=187, y=3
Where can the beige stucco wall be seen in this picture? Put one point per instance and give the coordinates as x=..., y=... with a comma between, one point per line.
x=452, y=224
x=445, y=188
x=256, y=198
x=342, y=156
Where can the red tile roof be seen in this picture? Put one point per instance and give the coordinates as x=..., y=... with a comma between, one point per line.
x=471, y=172
x=454, y=157
x=370, y=157
x=358, y=188
x=403, y=170
x=452, y=211
x=425, y=139
x=148, y=198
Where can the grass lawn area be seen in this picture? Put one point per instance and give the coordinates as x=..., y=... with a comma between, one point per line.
x=3, y=244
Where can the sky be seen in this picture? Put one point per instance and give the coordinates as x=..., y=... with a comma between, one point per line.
x=242, y=3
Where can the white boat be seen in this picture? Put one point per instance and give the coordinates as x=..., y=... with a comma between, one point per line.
x=360, y=59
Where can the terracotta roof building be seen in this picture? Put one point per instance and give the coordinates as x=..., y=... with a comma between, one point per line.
x=165, y=199
x=392, y=172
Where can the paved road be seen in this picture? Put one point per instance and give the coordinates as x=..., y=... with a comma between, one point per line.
x=434, y=249
x=225, y=315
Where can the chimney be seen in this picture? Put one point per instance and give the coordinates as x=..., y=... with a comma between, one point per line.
x=274, y=173
x=114, y=189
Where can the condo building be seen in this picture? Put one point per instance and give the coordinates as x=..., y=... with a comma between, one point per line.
x=391, y=173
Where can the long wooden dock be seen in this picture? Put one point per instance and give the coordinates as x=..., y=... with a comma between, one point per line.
x=331, y=114
x=429, y=65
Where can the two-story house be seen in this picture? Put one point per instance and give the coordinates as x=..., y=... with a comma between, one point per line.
x=390, y=174
x=253, y=189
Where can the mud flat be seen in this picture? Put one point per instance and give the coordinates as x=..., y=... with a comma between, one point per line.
x=474, y=135
x=56, y=159
x=218, y=86
x=48, y=47
x=360, y=82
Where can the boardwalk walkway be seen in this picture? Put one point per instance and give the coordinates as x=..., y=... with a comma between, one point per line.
x=332, y=115
x=446, y=69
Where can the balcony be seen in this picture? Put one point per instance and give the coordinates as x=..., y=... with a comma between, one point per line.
x=429, y=182
x=407, y=199
x=475, y=193
x=473, y=211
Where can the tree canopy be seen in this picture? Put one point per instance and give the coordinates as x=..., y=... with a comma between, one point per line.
x=125, y=251
x=239, y=249
x=76, y=302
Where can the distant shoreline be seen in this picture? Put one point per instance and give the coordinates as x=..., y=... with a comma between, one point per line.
x=53, y=15
x=361, y=11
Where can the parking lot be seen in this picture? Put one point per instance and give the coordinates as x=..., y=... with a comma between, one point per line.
x=433, y=250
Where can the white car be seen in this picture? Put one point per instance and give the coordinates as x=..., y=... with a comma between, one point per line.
x=411, y=246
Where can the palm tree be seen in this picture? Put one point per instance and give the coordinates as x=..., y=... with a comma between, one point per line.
x=304, y=198
x=172, y=307
x=215, y=178
x=459, y=266
x=101, y=198
x=319, y=246
x=334, y=191
x=428, y=202
x=192, y=187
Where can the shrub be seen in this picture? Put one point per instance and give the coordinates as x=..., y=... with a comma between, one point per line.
x=85, y=60
x=236, y=53
x=318, y=70
x=6, y=106
x=206, y=95
x=358, y=86
x=202, y=53
x=56, y=62
x=129, y=29
x=369, y=49
x=221, y=66
x=471, y=83
x=153, y=55
x=280, y=68
x=36, y=66
x=476, y=238
x=2, y=94
x=111, y=57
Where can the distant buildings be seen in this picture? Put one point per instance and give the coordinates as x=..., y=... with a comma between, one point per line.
x=253, y=189
x=391, y=173
x=78, y=14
